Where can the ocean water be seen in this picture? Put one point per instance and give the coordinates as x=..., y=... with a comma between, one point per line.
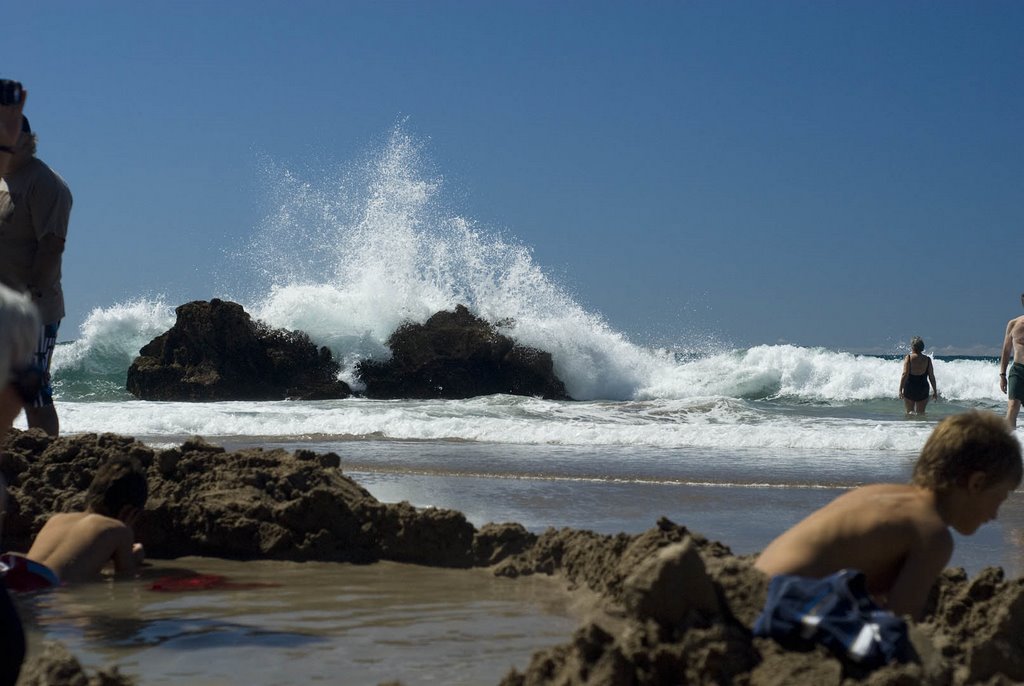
x=349, y=256
x=737, y=443
x=737, y=465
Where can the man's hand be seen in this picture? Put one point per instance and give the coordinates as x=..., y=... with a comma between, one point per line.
x=1002, y=383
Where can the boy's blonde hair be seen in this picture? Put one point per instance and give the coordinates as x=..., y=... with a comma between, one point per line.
x=967, y=443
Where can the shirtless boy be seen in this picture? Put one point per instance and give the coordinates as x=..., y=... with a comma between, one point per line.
x=76, y=546
x=1014, y=385
x=898, y=534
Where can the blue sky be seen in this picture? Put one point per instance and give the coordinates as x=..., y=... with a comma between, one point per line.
x=846, y=174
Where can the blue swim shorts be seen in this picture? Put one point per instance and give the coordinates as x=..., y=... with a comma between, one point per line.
x=1015, y=382
x=23, y=575
x=41, y=359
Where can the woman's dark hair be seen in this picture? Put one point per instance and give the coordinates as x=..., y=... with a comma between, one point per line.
x=117, y=483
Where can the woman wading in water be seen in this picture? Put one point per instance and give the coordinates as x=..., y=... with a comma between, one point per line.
x=917, y=374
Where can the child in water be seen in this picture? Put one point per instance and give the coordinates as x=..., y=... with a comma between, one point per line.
x=76, y=546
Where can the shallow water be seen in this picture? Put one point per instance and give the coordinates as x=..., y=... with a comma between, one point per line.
x=319, y=622
x=741, y=498
x=746, y=518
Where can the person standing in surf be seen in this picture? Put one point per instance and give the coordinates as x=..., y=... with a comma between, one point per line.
x=19, y=323
x=917, y=374
x=35, y=206
x=1013, y=386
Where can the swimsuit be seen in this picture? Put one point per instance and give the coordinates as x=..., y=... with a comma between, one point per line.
x=1015, y=382
x=916, y=386
x=43, y=357
x=22, y=574
x=836, y=612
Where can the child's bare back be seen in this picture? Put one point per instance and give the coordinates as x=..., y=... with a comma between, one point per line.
x=893, y=533
x=898, y=535
x=78, y=545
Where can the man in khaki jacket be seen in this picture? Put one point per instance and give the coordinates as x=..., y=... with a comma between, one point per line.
x=35, y=205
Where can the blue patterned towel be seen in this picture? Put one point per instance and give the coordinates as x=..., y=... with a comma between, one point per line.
x=836, y=612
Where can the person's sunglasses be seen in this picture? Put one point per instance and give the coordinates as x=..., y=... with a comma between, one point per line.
x=27, y=382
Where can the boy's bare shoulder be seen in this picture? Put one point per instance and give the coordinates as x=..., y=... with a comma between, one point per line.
x=96, y=519
x=873, y=528
x=80, y=526
x=897, y=494
x=97, y=524
x=884, y=495
x=61, y=521
x=883, y=489
x=890, y=507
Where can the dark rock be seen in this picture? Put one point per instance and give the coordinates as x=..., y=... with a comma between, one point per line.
x=458, y=355
x=215, y=351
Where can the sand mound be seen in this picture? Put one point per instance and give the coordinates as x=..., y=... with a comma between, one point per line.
x=55, y=666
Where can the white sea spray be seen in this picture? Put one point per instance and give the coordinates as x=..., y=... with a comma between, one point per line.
x=349, y=255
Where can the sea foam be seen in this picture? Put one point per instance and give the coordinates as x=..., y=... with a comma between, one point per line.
x=95, y=364
x=350, y=255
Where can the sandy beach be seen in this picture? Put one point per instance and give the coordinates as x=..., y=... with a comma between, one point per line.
x=663, y=606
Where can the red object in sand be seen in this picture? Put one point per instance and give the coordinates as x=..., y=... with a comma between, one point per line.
x=203, y=582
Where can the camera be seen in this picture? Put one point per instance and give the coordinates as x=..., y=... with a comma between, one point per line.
x=10, y=92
